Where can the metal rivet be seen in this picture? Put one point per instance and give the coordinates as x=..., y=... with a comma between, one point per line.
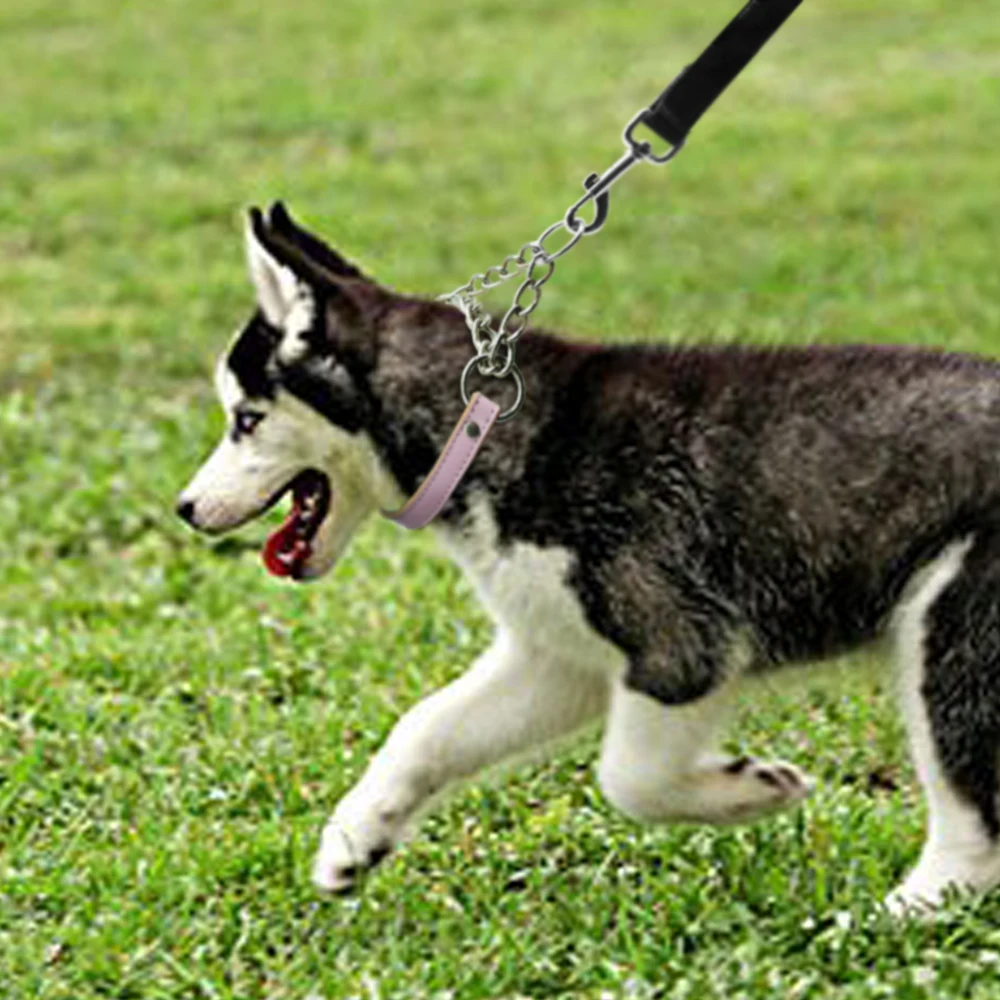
x=472, y=429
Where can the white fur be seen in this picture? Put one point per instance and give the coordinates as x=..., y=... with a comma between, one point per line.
x=658, y=764
x=957, y=853
x=287, y=303
x=276, y=286
x=546, y=674
x=299, y=320
x=524, y=589
x=240, y=477
x=513, y=699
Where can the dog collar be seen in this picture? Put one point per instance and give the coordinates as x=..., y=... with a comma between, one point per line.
x=452, y=464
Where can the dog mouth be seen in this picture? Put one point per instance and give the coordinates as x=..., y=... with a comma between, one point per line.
x=288, y=549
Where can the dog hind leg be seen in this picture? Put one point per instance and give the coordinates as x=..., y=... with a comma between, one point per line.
x=948, y=647
x=657, y=764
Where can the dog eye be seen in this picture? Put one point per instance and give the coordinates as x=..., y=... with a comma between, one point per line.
x=246, y=421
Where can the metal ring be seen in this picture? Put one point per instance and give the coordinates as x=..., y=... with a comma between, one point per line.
x=492, y=277
x=515, y=373
x=548, y=262
x=510, y=332
x=643, y=150
x=525, y=308
x=509, y=262
x=575, y=236
x=535, y=249
x=493, y=368
x=482, y=335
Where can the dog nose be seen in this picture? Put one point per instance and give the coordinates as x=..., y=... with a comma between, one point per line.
x=185, y=510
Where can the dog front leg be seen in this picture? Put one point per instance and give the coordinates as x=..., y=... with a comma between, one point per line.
x=513, y=699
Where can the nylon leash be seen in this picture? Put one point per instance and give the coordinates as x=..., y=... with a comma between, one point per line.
x=670, y=117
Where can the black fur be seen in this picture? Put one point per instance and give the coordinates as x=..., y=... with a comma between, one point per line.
x=962, y=676
x=283, y=227
x=250, y=358
x=786, y=494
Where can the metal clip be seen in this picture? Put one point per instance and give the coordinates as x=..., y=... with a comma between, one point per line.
x=598, y=186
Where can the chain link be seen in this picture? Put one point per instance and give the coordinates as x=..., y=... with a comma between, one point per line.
x=495, y=345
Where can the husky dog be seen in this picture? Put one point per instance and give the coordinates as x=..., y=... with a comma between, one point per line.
x=656, y=523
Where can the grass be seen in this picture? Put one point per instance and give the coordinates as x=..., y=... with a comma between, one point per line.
x=174, y=726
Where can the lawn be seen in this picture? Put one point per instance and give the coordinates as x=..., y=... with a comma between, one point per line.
x=175, y=726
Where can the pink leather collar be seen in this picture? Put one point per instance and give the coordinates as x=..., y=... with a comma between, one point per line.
x=462, y=447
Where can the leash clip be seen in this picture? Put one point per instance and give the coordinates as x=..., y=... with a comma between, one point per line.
x=598, y=186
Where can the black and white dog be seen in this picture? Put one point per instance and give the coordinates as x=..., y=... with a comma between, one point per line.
x=656, y=523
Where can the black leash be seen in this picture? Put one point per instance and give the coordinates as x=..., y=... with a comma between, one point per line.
x=674, y=113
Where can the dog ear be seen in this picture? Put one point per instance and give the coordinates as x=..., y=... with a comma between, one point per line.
x=313, y=249
x=308, y=291
x=276, y=285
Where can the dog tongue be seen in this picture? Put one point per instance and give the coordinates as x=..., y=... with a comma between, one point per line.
x=286, y=552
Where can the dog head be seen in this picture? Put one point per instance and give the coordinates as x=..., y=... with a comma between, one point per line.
x=292, y=387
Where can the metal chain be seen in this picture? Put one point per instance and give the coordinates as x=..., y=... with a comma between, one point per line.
x=495, y=345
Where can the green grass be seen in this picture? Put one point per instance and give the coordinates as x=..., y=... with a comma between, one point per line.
x=174, y=726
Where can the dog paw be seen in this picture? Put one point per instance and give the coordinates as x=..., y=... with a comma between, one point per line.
x=783, y=779
x=901, y=904
x=942, y=876
x=920, y=900
x=750, y=788
x=343, y=859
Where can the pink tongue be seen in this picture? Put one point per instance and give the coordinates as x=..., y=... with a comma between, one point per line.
x=285, y=553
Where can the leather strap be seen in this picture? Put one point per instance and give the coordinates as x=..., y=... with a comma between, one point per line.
x=674, y=113
x=462, y=447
